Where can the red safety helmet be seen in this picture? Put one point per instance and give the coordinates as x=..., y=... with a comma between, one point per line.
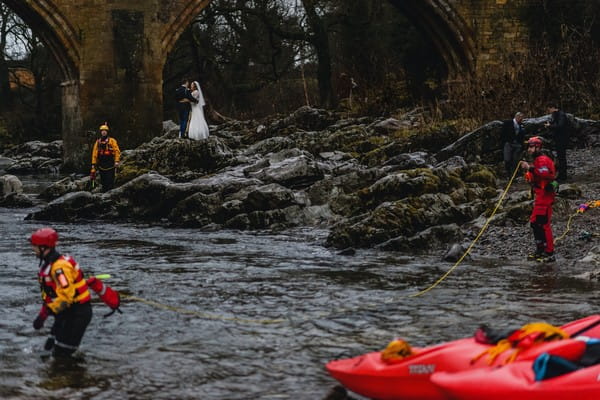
x=44, y=237
x=535, y=141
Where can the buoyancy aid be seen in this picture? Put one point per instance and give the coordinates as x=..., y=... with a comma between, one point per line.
x=62, y=284
x=106, y=151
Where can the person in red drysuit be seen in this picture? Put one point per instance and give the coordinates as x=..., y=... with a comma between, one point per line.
x=541, y=175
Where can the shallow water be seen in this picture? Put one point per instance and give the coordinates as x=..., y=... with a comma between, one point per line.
x=225, y=286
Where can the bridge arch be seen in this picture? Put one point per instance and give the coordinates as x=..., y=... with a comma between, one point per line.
x=439, y=21
x=180, y=21
x=54, y=30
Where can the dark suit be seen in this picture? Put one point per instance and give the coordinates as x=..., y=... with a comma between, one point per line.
x=559, y=126
x=513, y=135
x=183, y=108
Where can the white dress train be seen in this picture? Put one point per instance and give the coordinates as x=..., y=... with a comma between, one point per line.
x=198, y=128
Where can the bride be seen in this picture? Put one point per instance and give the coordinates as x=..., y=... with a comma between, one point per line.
x=198, y=128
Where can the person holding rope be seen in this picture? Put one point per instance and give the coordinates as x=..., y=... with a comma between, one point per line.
x=541, y=175
x=65, y=294
x=105, y=158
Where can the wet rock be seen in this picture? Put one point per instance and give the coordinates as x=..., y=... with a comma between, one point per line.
x=10, y=184
x=270, y=145
x=338, y=393
x=171, y=156
x=5, y=162
x=16, y=200
x=269, y=197
x=405, y=217
x=455, y=252
x=71, y=207
x=273, y=219
x=592, y=257
x=200, y=209
x=36, y=148
x=483, y=143
x=294, y=172
x=170, y=129
x=418, y=159
x=425, y=240
x=570, y=191
x=227, y=182
x=307, y=118
x=335, y=156
x=347, y=252
x=150, y=196
x=34, y=164
x=63, y=186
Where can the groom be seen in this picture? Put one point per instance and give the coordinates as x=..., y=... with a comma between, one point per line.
x=183, y=97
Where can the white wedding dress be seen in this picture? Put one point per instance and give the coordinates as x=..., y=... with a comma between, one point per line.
x=198, y=128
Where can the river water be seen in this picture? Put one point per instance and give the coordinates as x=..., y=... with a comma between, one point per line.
x=250, y=315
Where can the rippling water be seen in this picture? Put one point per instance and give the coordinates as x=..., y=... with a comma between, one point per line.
x=322, y=305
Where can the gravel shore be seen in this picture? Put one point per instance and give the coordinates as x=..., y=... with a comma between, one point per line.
x=577, y=235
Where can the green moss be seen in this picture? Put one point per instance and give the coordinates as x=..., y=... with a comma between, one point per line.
x=129, y=171
x=482, y=176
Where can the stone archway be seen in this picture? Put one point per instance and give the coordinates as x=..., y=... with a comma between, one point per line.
x=62, y=40
x=442, y=23
x=180, y=22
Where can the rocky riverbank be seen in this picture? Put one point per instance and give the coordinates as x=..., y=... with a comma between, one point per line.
x=393, y=184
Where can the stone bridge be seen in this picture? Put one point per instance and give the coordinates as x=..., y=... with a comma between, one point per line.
x=112, y=53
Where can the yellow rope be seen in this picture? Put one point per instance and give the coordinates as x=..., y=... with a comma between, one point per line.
x=487, y=222
x=561, y=237
x=201, y=314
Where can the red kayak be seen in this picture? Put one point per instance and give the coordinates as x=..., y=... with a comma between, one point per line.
x=409, y=378
x=516, y=381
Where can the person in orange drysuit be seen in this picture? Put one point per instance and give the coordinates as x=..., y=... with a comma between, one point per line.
x=65, y=295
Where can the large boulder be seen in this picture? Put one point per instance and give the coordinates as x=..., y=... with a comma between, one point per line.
x=294, y=172
x=171, y=156
x=10, y=184
x=405, y=217
x=483, y=144
x=37, y=148
x=71, y=207
x=64, y=186
x=16, y=200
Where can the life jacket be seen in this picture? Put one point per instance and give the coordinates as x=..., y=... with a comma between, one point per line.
x=105, y=149
x=50, y=290
x=521, y=339
x=397, y=350
x=108, y=295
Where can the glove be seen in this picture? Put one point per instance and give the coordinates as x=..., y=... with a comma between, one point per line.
x=551, y=187
x=38, y=322
x=528, y=177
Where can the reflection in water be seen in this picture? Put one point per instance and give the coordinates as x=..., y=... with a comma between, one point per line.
x=65, y=373
x=331, y=305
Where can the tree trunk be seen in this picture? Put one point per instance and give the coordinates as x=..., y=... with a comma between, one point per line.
x=320, y=41
x=5, y=93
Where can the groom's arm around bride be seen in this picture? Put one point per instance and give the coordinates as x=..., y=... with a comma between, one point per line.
x=183, y=98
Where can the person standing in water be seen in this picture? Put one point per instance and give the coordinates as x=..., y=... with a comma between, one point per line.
x=65, y=294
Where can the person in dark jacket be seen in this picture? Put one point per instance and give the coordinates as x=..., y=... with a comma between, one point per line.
x=184, y=98
x=513, y=135
x=559, y=127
